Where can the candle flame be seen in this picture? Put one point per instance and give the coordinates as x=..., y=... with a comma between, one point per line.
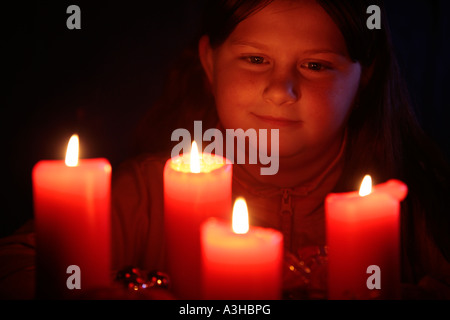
x=195, y=158
x=72, y=151
x=240, y=216
x=366, y=186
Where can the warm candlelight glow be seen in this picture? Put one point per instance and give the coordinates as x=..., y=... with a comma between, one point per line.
x=366, y=186
x=71, y=200
x=195, y=189
x=72, y=152
x=240, y=216
x=354, y=222
x=195, y=159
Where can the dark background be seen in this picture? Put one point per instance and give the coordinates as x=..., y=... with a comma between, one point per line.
x=100, y=80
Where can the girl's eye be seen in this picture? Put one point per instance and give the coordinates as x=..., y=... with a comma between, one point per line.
x=256, y=60
x=314, y=66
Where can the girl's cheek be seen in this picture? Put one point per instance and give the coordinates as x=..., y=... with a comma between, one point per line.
x=241, y=89
x=325, y=105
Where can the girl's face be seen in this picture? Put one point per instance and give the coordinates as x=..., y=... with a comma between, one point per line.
x=286, y=67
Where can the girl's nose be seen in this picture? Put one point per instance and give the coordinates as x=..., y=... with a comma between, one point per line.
x=282, y=90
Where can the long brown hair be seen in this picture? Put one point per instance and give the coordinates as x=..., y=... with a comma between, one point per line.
x=384, y=136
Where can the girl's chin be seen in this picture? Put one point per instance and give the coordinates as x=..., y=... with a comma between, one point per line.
x=286, y=154
x=286, y=151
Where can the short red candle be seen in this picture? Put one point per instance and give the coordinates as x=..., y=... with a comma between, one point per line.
x=72, y=221
x=189, y=199
x=364, y=231
x=241, y=266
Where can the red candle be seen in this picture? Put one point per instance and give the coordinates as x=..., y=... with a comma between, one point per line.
x=195, y=188
x=363, y=235
x=72, y=220
x=241, y=263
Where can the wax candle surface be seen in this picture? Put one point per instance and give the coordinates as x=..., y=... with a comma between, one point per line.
x=364, y=231
x=72, y=220
x=189, y=199
x=241, y=266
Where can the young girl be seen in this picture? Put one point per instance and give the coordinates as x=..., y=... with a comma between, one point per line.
x=331, y=85
x=315, y=71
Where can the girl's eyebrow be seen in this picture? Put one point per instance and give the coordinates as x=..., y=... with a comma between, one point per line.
x=326, y=51
x=261, y=46
x=249, y=44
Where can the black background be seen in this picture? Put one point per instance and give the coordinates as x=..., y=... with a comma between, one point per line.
x=100, y=80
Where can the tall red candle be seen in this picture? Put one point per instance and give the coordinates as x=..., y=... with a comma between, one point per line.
x=194, y=190
x=72, y=220
x=240, y=264
x=364, y=231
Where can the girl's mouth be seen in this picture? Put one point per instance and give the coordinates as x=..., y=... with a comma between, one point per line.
x=278, y=121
